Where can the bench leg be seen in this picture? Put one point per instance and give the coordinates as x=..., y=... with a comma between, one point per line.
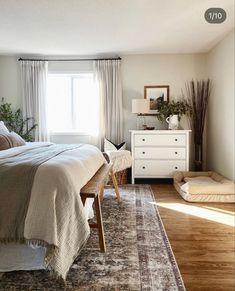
x=115, y=184
x=101, y=194
x=100, y=224
x=83, y=200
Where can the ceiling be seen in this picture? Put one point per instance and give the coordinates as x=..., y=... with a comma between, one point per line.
x=100, y=27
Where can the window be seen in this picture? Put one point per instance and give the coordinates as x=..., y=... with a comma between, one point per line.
x=72, y=103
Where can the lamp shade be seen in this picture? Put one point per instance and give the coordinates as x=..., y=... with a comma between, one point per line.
x=140, y=106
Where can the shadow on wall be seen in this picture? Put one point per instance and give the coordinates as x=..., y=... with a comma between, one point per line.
x=129, y=118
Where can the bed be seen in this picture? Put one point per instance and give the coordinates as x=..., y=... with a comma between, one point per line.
x=204, y=187
x=56, y=223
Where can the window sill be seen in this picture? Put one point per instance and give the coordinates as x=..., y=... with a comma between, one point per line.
x=69, y=133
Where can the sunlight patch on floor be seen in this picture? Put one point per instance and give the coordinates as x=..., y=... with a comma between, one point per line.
x=220, y=210
x=200, y=212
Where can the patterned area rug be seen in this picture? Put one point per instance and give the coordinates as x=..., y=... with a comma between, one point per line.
x=139, y=256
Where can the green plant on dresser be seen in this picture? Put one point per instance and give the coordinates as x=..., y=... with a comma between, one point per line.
x=180, y=108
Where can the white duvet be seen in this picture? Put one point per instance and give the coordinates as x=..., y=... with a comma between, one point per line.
x=55, y=213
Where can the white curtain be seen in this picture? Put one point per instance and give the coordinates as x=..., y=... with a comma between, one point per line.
x=34, y=77
x=108, y=76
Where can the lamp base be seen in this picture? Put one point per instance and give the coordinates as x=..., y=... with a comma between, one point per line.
x=140, y=122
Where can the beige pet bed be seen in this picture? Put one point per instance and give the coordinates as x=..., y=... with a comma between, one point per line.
x=204, y=187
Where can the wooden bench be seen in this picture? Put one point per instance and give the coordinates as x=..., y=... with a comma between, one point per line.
x=95, y=189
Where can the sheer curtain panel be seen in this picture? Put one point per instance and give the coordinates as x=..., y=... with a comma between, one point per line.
x=34, y=78
x=108, y=77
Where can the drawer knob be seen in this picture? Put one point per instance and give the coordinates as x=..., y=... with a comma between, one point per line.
x=143, y=153
x=176, y=153
x=176, y=139
x=143, y=167
x=176, y=168
x=143, y=139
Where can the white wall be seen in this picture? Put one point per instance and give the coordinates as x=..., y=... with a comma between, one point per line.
x=173, y=70
x=137, y=71
x=10, y=81
x=220, y=127
x=141, y=70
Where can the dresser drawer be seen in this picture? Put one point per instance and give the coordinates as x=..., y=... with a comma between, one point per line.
x=159, y=153
x=159, y=140
x=158, y=168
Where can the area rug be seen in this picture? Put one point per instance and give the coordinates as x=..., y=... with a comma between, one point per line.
x=139, y=256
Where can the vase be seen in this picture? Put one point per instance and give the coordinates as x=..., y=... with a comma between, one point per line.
x=173, y=121
x=198, y=156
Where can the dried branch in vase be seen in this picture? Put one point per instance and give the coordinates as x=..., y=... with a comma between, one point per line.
x=198, y=93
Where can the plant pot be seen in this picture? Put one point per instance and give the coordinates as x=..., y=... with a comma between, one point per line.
x=173, y=121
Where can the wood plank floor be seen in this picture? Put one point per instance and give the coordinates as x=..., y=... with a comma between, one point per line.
x=202, y=237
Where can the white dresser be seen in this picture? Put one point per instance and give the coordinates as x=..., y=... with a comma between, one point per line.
x=159, y=153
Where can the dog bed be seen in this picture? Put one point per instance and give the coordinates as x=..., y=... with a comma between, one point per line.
x=204, y=187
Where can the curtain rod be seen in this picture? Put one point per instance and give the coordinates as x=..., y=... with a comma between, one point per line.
x=69, y=60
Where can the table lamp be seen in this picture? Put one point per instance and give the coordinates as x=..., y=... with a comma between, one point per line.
x=140, y=107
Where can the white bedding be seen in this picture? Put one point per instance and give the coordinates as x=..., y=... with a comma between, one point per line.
x=15, y=257
x=17, y=150
x=62, y=176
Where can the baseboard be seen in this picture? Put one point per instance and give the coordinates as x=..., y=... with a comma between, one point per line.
x=154, y=181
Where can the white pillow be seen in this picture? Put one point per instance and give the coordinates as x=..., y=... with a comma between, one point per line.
x=3, y=128
x=200, y=179
x=110, y=146
x=206, y=185
x=17, y=140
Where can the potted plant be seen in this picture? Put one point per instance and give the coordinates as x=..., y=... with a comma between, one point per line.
x=172, y=111
x=15, y=122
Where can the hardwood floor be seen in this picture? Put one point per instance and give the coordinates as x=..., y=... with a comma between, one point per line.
x=202, y=237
